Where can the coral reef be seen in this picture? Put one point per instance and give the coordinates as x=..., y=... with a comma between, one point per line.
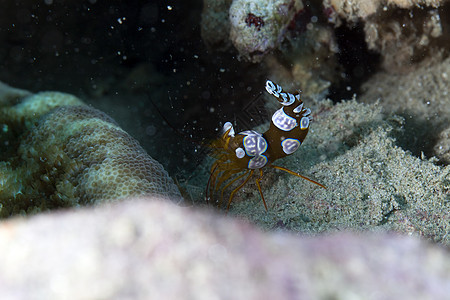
x=295, y=48
x=374, y=181
x=372, y=184
x=442, y=146
x=10, y=95
x=404, y=32
x=374, y=153
x=421, y=97
x=308, y=61
x=170, y=252
x=58, y=152
x=353, y=10
x=258, y=27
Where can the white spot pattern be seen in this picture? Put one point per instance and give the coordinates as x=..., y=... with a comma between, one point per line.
x=290, y=145
x=254, y=143
x=240, y=153
x=286, y=101
x=270, y=87
x=273, y=89
x=284, y=122
x=257, y=162
x=304, y=123
x=286, y=98
x=298, y=109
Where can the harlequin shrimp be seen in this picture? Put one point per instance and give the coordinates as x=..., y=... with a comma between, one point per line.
x=249, y=150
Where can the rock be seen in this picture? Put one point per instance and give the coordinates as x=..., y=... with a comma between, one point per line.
x=403, y=32
x=442, y=147
x=372, y=183
x=422, y=98
x=150, y=248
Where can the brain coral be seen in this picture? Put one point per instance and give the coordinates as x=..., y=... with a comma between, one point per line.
x=58, y=152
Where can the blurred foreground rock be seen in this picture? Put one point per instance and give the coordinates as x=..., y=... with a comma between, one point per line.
x=142, y=249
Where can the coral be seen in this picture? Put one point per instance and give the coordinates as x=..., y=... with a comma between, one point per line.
x=309, y=60
x=61, y=153
x=10, y=95
x=306, y=47
x=404, y=32
x=257, y=27
x=421, y=97
x=148, y=247
x=353, y=10
x=442, y=147
x=35, y=106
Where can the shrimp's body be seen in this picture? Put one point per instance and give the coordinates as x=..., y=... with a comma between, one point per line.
x=249, y=150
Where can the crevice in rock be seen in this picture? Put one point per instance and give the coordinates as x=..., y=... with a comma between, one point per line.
x=358, y=62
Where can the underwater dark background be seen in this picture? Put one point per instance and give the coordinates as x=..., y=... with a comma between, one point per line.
x=145, y=63
x=129, y=55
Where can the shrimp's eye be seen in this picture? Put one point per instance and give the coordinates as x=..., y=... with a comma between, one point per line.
x=227, y=126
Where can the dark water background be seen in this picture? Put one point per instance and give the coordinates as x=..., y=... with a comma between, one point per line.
x=124, y=57
x=90, y=48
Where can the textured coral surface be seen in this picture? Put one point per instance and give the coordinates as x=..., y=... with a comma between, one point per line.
x=422, y=97
x=58, y=152
x=258, y=27
x=372, y=184
x=351, y=9
x=150, y=248
x=376, y=160
x=403, y=32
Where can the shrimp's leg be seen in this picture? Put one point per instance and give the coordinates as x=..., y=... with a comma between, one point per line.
x=208, y=185
x=230, y=183
x=259, y=187
x=224, y=176
x=298, y=175
x=238, y=188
